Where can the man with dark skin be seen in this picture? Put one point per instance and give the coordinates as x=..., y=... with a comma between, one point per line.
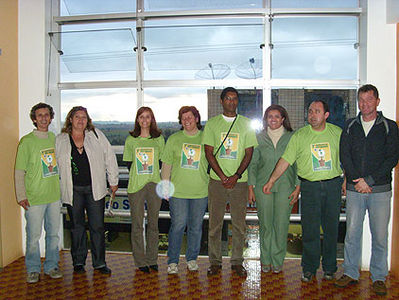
x=228, y=178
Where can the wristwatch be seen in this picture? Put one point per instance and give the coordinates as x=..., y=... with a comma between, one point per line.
x=238, y=174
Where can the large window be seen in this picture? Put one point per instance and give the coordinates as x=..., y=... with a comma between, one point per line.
x=315, y=48
x=202, y=49
x=115, y=56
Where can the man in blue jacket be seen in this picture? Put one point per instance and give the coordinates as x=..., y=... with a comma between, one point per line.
x=369, y=150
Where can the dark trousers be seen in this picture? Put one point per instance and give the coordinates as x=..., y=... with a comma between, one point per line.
x=218, y=196
x=320, y=205
x=83, y=200
x=145, y=253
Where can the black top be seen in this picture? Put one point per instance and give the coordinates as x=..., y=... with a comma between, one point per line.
x=80, y=166
x=371, y=157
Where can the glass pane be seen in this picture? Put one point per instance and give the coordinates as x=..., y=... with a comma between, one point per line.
x=342, y=104
x=315, y=48
x=87, y=7
x=93, y=53
x=203, y=49
x=162, y=5
x=166, y=102
x=314, y=3
x=110, y=109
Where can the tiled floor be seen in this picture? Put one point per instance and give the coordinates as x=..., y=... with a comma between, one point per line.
x=126, y=283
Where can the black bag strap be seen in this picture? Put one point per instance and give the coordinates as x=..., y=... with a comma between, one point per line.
x=232, y=124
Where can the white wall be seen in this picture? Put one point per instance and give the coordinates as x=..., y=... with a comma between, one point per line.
x=381, y=72
x=32, y=47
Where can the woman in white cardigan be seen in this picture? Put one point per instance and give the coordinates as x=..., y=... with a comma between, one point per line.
x=86, y=160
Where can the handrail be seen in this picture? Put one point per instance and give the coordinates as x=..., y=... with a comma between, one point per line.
x=250, y=216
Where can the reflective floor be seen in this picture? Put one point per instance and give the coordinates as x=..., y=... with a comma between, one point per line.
x=127, y=283
x=118, y=239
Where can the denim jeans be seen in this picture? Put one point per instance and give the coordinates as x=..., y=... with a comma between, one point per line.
x=190, y=213
x=379, y=209
x=83, y=200
x=35, y=215
x=320, y=206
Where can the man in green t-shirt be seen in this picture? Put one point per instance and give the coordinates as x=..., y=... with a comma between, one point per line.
x=315, y=149
x=38, y=192
x=229, y=142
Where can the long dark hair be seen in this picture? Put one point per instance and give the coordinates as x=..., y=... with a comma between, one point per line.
x=283, y=113
x=68, y=124
x=154, y=131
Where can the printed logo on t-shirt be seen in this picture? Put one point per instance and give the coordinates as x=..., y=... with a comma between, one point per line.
x=190, y=156
x=49, y=162
x=321, y=157
x=229, y=149
x=144, y=160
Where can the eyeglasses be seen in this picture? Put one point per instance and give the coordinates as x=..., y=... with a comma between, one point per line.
x=231, y=98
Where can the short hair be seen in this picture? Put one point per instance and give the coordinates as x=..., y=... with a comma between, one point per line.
x=154, y=131
x=40, y=105
x=68, y=124
x=325, y=105
x=226, y=90
x=367, y=88
x=283, y=113
x=194, y=111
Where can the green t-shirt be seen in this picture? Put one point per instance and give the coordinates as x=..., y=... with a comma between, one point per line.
x=315, y=152
x=36, y=157
x=144, y=153
x=186, y=155
x=232, y=152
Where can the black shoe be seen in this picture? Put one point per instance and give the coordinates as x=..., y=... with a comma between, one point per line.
x=154, y=267
x=79, y=269
x=214, y=270
x=239, y=270
x=307, y=276
x=104, y=270
x=144, y=269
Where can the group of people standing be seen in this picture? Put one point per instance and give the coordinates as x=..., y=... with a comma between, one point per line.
x=208, y=169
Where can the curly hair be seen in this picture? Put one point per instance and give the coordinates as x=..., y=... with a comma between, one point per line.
x=40, y=105
x=68, y=124
x=194, y=111
x=154, y=131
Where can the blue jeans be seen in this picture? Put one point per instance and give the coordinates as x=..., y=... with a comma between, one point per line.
x=320, y=206
x=190, y=213
x=35, y=215
x=83, y=201
x=379, y=209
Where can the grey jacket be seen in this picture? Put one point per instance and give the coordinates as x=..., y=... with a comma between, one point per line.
x=102, y=160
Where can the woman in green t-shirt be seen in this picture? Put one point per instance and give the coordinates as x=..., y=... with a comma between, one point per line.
x=273, y=210
x=143, y=148
x=184, y=164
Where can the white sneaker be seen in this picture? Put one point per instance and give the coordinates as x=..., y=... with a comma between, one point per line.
x=266, y=268
x=32, y=277
x=172, y=268
x=192, y=265
x=55, y=273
